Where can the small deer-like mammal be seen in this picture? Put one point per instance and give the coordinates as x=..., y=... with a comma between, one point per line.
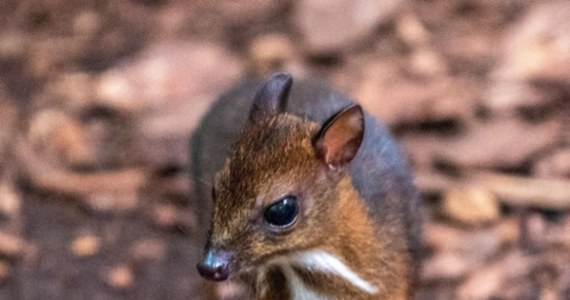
x=313, y=200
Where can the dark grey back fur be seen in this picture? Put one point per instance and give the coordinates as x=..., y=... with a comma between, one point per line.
x=378, y=171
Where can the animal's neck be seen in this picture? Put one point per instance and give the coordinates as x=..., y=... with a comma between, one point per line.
x=345, y=266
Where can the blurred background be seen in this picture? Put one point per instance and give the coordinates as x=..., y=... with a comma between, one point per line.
x=98, y=100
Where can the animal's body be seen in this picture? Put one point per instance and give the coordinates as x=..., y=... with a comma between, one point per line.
x=312, y=199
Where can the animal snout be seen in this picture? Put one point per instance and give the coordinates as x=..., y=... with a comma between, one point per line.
x=215, y=265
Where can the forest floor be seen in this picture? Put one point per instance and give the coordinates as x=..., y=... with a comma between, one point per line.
x=98, y=101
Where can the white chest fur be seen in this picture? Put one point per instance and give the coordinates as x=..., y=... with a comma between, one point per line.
x=318, y=261
x=298, y=290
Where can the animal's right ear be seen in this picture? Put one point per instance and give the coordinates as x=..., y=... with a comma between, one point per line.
x=340, y=138
x=271, y=98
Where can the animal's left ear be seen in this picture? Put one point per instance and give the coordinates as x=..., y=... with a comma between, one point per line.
x=341, y=137
x=271, y=98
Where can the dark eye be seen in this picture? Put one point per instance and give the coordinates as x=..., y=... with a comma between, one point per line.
x=283, y=213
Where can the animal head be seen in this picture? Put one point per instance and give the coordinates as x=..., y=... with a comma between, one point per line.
x=276, y=192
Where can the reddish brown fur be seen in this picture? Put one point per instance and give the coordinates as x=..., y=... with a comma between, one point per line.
x=275, y=157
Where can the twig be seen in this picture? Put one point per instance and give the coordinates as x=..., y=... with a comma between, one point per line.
x=512, y=190
x=46, y=176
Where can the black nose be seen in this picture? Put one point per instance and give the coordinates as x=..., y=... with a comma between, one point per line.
x=215, y=265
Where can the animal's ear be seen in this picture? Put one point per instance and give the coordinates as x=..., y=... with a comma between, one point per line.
x=340, y=138
x=271, y=98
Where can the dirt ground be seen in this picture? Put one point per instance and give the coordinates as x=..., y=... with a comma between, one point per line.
x=98, y=101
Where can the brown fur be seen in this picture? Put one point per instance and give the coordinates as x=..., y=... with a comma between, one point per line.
x=276, y=157
x=370, y=220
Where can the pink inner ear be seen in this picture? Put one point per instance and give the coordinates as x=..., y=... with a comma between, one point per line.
x=336, y=139
x=342, y=137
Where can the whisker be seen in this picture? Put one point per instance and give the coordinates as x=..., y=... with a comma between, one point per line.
x=201, y=181
x=223, y=296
